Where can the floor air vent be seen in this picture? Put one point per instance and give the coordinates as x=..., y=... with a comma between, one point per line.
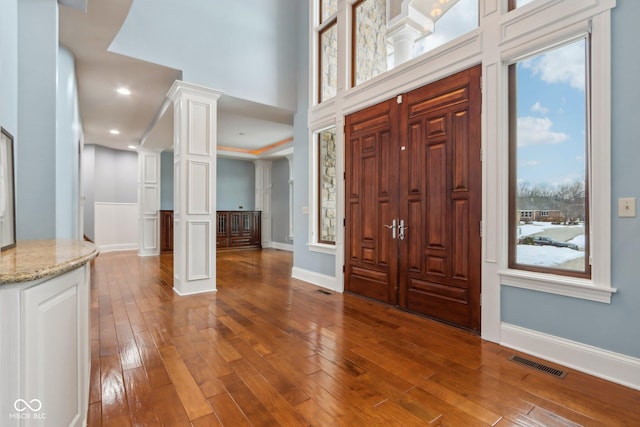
x=322, y=291
x=539, y=366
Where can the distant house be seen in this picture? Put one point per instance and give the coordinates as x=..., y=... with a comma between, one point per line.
x=546, y=209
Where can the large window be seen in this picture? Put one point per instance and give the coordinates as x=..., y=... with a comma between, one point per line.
x=327, y=185
x=549, y=145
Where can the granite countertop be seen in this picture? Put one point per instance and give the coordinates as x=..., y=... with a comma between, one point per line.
x=38, y=259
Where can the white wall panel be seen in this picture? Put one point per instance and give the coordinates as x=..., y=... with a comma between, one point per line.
x=198, y=247
x=199, y=189
x=150, y=170
x=199, y=130
x=116, y=226
x=150, y=240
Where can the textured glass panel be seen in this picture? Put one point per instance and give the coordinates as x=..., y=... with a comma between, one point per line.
x=370, y=36
x=329, y=62
x=328, y=8
x=327, y=185
x=549, y=171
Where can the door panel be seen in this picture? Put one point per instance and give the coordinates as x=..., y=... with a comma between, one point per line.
x=446, y=239
x=371, y=261
x=418, y=162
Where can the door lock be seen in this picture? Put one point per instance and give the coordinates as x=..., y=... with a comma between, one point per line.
x=392, y=227
x=401, y=229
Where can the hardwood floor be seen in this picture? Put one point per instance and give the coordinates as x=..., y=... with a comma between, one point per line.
x=268, y=350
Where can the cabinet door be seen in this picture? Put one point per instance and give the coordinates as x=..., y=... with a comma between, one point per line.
x=55, y=316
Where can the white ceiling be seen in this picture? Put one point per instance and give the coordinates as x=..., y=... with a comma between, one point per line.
x=245, y=126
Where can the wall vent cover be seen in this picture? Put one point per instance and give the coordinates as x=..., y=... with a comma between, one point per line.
x=539, y=366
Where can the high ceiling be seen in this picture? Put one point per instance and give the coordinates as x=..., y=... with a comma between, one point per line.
x=244, y=128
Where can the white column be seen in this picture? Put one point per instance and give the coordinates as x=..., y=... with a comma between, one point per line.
x=403, y=36
x=263, y=198
x=290, y=159
x=194, y=195
x=148, y=202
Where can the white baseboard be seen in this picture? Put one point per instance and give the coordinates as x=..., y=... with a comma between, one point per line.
x=281, y=246
x=605, y=364
x=117, y=247
x=322, y=280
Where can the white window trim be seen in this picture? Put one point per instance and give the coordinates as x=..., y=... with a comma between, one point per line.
x=599, y=287
x=499, y=33
x=313, y=244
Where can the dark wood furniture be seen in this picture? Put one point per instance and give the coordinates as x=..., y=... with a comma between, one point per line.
x=166, y=231
x=238, y=229
x=234, y=229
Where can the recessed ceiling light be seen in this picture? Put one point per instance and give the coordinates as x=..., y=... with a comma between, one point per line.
x=124, y=91
x=114, y=132
x=133, y=147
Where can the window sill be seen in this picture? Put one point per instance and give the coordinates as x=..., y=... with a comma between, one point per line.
x=558, y=285
x=322, y=248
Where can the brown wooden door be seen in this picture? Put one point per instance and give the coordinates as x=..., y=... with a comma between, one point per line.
x=430, y=178
x=371, y=185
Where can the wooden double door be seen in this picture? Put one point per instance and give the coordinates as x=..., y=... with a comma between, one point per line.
x=413, y=187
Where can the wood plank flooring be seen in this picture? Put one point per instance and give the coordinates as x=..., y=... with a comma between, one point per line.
x=268, y=350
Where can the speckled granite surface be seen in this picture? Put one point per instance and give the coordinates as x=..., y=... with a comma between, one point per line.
x=37, y=259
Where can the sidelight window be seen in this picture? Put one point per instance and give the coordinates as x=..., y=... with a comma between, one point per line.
x=327, y=185
x=549, y=173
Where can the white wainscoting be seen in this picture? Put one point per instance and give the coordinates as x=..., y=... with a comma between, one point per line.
x=322, y=280
x=601, y=363
x=116, y=226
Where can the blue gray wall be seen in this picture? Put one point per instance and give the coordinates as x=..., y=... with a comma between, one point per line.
x=280, y=201
x=253, y=60
x=36, y=140
x=236, y=185
x=609, y=326
x=69, y=139
x=303, y=258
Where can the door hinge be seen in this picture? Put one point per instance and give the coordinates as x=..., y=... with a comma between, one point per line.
x=344, y=222
x=399, y=99
x=481, y=155
x=343, y=268
x=344, y=175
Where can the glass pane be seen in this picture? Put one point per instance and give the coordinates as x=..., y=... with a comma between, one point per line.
x=370, y=40
x=327, y=8
x=513, y=4
x=329, y=62
x=327, y=186
x=549, y=169
x=461, y=18
x=380, y=45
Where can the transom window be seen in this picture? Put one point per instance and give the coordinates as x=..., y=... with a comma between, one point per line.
x=549, y=141
x=327, y=50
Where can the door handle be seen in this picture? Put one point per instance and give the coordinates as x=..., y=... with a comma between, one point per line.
x=401, y=229
x=392, y=227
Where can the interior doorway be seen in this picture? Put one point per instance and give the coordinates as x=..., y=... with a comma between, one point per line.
x=413, y=189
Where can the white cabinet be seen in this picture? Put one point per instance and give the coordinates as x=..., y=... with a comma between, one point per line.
x=44, y=350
